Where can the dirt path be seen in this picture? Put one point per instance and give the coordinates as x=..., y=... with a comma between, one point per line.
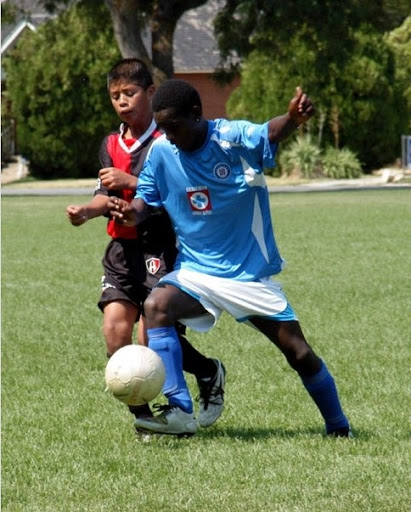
x=14, y=171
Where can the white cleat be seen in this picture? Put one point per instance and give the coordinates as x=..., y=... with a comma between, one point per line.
x=171, y=421
x=211, y=396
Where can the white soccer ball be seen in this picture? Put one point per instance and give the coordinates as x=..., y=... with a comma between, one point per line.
x=135, y=374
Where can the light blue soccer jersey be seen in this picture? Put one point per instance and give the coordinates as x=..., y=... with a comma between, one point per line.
x=217, y=200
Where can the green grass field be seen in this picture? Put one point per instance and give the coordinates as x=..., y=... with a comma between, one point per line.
x=67, y=446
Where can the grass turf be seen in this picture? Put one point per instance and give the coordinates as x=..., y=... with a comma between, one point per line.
x=68, y=447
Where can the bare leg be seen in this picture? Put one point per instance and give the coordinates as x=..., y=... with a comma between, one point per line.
x=166, y=304
x=118, y=324
x=289, y=338
x=318, y=381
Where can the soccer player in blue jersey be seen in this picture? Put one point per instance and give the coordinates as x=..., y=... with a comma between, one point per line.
x=135, y=259
x=209, y=177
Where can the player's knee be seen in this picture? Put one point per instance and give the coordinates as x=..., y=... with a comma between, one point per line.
x=157, y=310
x=113, y=345
x=117, y=335
x=303, y=360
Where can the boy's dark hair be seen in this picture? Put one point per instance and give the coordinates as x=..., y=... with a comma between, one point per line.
x=177, y=94
x=132, y=70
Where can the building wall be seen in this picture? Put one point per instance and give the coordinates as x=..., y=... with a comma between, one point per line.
x=213, y=96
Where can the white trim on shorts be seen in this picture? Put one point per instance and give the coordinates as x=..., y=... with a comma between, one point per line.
x=241, y=299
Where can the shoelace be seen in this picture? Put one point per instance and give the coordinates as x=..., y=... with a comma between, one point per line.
x=163, y=408
x=208, y=394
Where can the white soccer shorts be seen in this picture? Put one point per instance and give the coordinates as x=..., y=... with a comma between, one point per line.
x=240, y=299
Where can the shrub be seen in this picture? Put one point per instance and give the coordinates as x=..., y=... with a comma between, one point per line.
x=301, y=158
x=340, y=164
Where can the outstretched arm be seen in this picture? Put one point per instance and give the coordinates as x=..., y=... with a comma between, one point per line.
x=300, y=110
x=79, y=214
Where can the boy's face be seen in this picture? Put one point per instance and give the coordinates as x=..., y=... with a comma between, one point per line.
x=180, y=131
x=131, y=102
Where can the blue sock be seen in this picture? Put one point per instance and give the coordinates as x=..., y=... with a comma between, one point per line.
x=164, y=341
x=323, y=391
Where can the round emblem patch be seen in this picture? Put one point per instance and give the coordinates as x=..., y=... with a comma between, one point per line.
x=199, y=201
x=221, y=171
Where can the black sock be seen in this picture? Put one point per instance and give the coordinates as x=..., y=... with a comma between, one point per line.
x=194, y=362
x=140, y=411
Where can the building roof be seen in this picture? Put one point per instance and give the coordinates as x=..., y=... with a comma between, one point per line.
x=30, y=15
x=195, y=47
x=11, y=38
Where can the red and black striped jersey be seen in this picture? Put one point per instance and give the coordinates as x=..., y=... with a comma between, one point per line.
x=127, y=155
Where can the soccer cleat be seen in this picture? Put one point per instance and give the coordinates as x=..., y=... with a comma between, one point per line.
x=341, y=432
x=211, y=396
x=172, y=420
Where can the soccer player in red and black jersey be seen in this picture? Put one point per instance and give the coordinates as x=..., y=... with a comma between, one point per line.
x=136, y=258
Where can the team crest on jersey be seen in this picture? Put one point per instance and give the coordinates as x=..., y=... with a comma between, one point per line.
x=222, y=171
x=153, y=265
x=199, y=199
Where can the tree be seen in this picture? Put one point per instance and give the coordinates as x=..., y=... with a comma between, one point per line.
x=8, y=13
x=59, y=94
x=356, y=97
x=327, y=47
x=369, y=123
x=134, y=19
x=244, y=26
x=399, y=41
x=131, y=18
